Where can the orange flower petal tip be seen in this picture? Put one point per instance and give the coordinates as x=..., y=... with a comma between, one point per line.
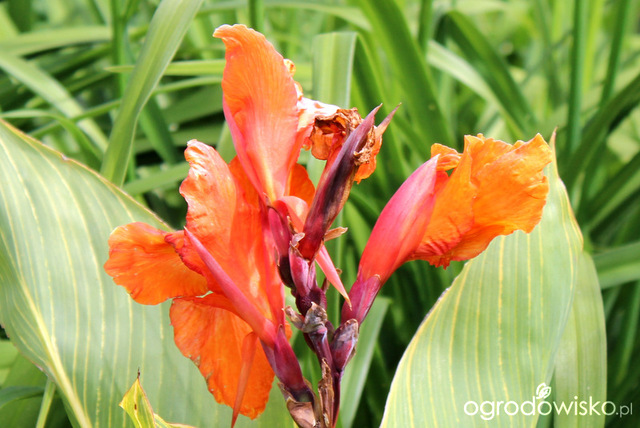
x=494, y=189
x=214, y=339
x=261, y=107
x=143, y=261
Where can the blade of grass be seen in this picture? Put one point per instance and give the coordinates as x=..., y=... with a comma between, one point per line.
x=621, y=357
x=542, y=17
x=370, y=88
x=408, y=66
x=620, y=27
x=155, y=127
x=21, y=11
x=332, y=70
x=603, y=122
x=256, y=15
x=576, y=78
x=14, y=393
x=616, y=192
x=424, y=24
x=44, y=40
x=182, y=68
x=618, y=265
x=91, y=154
x=165, y=177
x=479, y=52
x=45, y=406
x=52, y=91
x=159, y=47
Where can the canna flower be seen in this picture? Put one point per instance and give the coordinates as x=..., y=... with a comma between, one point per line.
x=212, y=327
x=223, y=271
x=451, y=208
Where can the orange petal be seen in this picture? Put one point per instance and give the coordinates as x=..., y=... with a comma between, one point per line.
x=225, y=223
x=300, y=184
x=148, y=266
x=496, y=189
x=260, y=103
x=212, y=337
x=210, y=192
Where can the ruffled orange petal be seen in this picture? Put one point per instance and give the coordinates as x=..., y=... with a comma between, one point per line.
x=212, y=337
x=225, y=223
x=210, y=192
x=143, y=261
x=495, y=189
x=260, y=103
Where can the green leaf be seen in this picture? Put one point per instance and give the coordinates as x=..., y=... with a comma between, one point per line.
x=618, y=265
x=159, y=47
x=410, y=70
x=66, y=315
x=494, y=335
x=44, y=85
x=38, y=41
x=14, y=393
x=493, y=68
x=581, y=363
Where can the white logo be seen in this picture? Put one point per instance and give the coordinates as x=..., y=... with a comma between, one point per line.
x=538, y=406
x=543, y=391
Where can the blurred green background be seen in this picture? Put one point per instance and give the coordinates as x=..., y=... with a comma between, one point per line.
x=74, y=74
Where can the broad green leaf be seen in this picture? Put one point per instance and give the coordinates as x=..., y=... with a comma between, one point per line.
x=494, y=335
x=65, y=314
x=581, y=364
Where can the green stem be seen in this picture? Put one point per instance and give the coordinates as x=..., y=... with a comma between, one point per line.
x=45, y=406
x=577, y=69
x=424, y=25
x=256, y=14
x=619, y=30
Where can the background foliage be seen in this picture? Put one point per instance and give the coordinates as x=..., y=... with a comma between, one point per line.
x=99, y=80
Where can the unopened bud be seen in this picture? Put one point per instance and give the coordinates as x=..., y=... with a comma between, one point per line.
x=343, y=346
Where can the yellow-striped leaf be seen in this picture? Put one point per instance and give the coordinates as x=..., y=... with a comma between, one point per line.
x=65, y=314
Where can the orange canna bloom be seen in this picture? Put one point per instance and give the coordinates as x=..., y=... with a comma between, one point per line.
x=222, y=270
x=209, y=326
x=219, y=323
x=493, y=189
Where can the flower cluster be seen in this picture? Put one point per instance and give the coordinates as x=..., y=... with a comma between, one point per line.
x=257, y=226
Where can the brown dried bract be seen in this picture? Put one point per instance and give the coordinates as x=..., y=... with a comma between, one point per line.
x=329, y=132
